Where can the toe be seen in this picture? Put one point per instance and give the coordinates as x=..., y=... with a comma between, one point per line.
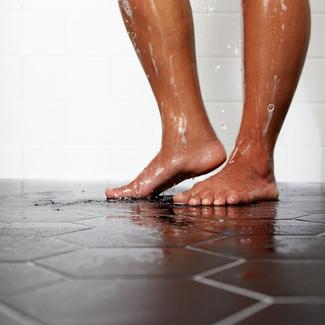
x=112, y=192
x=233, y=197
x=246, y=198
x=120, y=192
x=195, y=200
x=182, y=198
x=207, y=198
x=220, y=199
x=108, y=191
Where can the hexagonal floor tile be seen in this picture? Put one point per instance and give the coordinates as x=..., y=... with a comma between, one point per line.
x=129, y=302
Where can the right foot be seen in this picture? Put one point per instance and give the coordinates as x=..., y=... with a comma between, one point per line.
x=171, y=166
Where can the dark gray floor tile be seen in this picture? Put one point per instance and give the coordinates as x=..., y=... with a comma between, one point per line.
x=317, y=217
x=289, y=314
x=15, y=277
x=41, y=215
x=280, y=278
x=134, y=261
x=141, y=273
x=7, y=320
x=310, y=205
x=137, y=232
x=129, y=302
x=24, y=249
x=37, y=230
x=268, y=247
x=261, y=227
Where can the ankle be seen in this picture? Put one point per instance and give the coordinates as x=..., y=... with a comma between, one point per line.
x=253, y=153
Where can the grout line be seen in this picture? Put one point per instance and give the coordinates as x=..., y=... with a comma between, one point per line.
x=220, y=268
x=286, y=260
x=64, y=275
x=234, y=289
x=299, y=300
x=36, y=260
x=18, y=315
x=309, y=221
x=217, y=236
x=36, y=287
x=197, y=249
x=244, y=313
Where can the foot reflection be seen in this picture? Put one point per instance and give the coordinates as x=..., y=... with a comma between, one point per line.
x=245, y=230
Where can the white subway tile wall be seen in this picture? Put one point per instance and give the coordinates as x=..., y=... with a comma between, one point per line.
x=75, y=103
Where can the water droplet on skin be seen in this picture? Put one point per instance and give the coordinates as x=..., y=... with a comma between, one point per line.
x=127, y=8
x=283, y=6
x=159, y=171
x=271, y=107
x=182, y=129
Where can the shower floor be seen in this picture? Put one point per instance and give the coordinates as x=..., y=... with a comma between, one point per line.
x=67, y=256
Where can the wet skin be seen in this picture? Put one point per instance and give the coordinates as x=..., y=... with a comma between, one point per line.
x=276, y=37
x=162, y=34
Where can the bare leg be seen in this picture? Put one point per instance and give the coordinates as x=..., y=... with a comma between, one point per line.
x=162, y=34
x=276, y=36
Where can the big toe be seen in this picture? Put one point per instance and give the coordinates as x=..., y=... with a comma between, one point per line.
x=181, y=198
x=111, y=193
x=115, y=193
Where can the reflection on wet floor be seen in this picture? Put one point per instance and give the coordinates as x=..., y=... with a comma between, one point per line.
x=68, y=256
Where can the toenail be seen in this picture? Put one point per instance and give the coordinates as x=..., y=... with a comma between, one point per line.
x=192, y=202
x=205, y=201
x=231, y=200
x=217, y=202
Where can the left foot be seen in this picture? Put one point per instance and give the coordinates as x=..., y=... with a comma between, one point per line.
x=169, y=168
x=247, y=177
